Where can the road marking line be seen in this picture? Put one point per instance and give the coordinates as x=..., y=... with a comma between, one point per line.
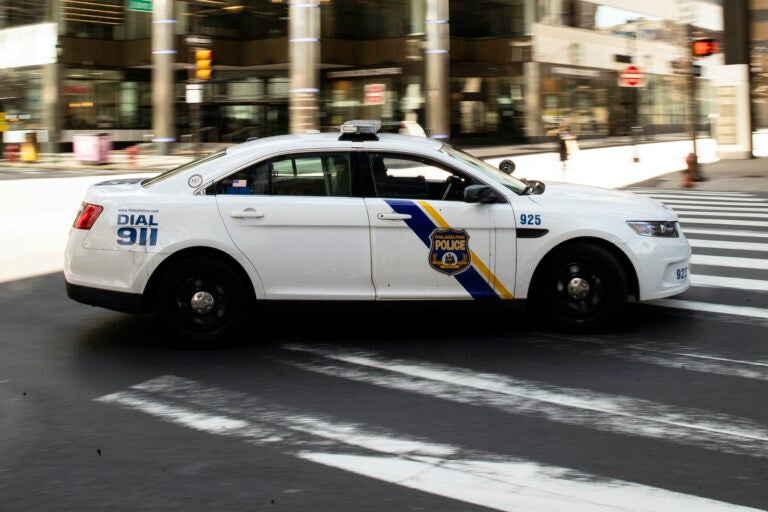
x=727, y=244
x=710, y=308
x=499, y=482
x=685, y=221
x=729, y=261
x=726, y=232
x=667, y=356
x=598, y=411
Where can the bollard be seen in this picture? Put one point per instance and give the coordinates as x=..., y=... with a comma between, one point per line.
x=132, y=152
x=11, y=152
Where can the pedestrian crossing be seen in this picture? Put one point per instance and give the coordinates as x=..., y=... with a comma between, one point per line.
x=460, y=470
x=728, y=233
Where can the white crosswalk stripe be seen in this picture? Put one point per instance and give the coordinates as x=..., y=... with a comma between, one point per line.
x=496, y=481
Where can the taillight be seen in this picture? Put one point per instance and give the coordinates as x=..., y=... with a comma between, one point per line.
x=87, y=216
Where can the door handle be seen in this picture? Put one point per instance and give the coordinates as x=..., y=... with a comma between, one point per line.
x=248, y=213
x=394, y=216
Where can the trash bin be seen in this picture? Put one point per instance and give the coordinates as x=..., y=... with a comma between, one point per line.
x=92, y=149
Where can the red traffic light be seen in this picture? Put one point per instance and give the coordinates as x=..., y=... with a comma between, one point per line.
x=705, y=47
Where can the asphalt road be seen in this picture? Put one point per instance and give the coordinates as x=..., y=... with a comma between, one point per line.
x=421, y=410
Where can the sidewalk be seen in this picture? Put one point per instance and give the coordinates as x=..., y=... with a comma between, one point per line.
x=607, y=163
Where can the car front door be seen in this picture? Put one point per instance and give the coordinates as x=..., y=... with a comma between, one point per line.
x=426, y=241
x=296, y=219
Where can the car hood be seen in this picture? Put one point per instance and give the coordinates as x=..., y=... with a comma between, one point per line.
x=589, y=198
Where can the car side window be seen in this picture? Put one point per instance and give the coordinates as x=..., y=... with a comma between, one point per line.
x=252, y=180
x=315, y=174
x=401, y=176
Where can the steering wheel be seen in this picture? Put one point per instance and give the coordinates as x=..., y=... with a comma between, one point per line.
x=453, y=184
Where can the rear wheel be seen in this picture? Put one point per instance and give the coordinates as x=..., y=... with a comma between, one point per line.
x=204, y=301
x=580, y=287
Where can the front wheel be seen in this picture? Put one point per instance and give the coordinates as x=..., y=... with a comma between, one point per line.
x=581, y=287
x=204, y=302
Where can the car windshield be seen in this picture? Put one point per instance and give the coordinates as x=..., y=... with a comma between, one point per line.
x=512, y=183
x=176, y=170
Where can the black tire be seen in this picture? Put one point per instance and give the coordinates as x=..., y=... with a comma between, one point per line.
x=579, y=288
x=204, y=302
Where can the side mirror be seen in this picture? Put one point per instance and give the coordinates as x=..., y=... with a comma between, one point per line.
x=507, y=166
x=480, y=194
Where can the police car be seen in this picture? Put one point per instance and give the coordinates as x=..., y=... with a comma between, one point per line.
x=364, y=216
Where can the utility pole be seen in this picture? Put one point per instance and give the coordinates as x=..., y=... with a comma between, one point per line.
x=693, y=158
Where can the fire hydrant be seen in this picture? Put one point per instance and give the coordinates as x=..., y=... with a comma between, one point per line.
x=691, y=171
x=132, y=152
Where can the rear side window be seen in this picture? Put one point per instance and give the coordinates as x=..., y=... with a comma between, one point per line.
x=308, y=174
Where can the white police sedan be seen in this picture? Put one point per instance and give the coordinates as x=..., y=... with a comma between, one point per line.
x=364, y=216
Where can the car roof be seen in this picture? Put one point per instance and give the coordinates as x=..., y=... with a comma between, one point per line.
x=330, y=140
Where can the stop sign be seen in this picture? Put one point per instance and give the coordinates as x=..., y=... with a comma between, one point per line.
x=632, y=76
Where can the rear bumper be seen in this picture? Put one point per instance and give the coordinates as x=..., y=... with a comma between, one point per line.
x=109, y=299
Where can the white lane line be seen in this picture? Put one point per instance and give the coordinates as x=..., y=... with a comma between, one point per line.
x=726, y=232
x=685, y=221
x=677, y=203
x=694, y=193
x=729, y=261
x=714, y=198
x=498, y=482
x=668, y=357
x=519, y=486
x=710, y=308
x=736, y=283
x=719, y=213
x=182, y=416
x=598, y=411
x=761, y=209
x=724, y=205
x=725, y=244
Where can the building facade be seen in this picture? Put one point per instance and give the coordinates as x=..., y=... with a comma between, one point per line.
x=501, y=71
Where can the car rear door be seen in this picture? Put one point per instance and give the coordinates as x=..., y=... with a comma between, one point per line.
x=296, y=219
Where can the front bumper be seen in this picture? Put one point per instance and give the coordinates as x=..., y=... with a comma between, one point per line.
x=663, y=266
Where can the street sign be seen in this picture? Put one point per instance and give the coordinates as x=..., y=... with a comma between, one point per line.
x=194, y=93
x=198, y=41
x=374, y=94
x=139, y=5
x=631, y=76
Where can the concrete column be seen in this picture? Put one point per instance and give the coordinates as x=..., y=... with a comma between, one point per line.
x=534, y=126
x=163, y=56
x=416, y=20
x=304, y=51
x=437, y=60
x=52, y=96
x=737, y=39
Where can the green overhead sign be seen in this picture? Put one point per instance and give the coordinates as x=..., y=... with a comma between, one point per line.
x=140, y=5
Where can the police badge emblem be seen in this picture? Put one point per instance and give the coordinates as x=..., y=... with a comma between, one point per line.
x=449, y=251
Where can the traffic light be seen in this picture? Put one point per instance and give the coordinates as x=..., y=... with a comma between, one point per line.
x=705, y=47
x=203, y=67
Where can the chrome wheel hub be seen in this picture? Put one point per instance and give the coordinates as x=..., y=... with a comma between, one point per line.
x=578, y=288
x=202, y=303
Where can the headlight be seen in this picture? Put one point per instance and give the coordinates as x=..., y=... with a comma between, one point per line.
x=655, y=228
